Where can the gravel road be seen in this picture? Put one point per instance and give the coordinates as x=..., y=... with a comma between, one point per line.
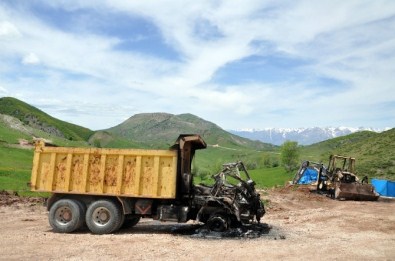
x=301, y=225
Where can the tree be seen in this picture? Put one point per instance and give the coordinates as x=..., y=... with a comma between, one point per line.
x=290, y=155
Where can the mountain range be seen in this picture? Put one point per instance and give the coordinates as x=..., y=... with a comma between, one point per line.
x=21, y=121
x=304, y=136
x=145, y=130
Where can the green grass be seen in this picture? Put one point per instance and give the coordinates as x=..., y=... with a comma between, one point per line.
x=12, y=137
x=15, y=170
x=264, y=178
x=13, y=158
x=212, y=158
x=270, y=177
x=16, y=181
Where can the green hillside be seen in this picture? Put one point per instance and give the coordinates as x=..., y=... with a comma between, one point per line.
x=19, y=120
x=374, y=152
x=162, y=129
x=37, y=119
x=104, y=139
x=11, y=135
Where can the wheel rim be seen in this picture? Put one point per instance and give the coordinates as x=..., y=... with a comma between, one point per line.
x=101, y=216
x=217, y=224
x=63, y=215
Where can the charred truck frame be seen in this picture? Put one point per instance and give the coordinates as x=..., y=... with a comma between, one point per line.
x=110, y=188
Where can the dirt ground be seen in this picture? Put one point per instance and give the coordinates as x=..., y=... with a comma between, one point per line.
x=303, y=226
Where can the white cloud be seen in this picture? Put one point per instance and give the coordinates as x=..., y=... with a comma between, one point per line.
x=350, y=42
x=30, y=58
x=8, y=30
x=3, y=91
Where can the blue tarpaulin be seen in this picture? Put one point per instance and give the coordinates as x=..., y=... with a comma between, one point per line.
x=384, y=187
x=309, y=176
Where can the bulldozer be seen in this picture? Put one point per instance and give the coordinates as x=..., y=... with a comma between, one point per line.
x=338, y=180
x=341, y=182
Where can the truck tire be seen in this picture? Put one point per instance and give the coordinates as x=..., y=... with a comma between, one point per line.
x=103, y=217
x=121, y=222
x=218, y=223
x=66, y=215
x=130, y=222
x=82, y=212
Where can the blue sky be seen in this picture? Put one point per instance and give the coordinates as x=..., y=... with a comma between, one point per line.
x=239, y=64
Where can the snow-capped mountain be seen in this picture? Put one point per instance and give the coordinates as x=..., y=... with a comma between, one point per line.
x=304, y=136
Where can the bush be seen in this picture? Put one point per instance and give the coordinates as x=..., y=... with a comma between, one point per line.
x=290, y=155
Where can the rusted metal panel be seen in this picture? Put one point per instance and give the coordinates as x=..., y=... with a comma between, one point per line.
x=117, y=172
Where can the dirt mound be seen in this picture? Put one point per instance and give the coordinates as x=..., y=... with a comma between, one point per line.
x=303, y=192
x=8, y=198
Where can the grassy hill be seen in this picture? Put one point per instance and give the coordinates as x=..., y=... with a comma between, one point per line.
x=37, y=119
x=19, y=120
x=104, y=139
x=16, y=160
x=374, y=152
x=162, y=129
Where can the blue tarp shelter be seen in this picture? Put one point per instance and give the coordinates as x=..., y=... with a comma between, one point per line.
x=384, y=187
x=309, y=176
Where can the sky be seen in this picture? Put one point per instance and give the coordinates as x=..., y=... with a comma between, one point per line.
x=240, y=64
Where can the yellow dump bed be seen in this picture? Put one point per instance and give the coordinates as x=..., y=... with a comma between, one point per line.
x=116, y=172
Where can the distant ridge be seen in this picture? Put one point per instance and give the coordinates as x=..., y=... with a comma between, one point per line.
x=153, y=129
x=304, y=136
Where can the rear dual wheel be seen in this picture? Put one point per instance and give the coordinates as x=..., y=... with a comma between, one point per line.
x=66, y=215
x=104, y=217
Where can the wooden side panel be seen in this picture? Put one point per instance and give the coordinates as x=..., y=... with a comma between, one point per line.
x=60, y=172
x=129, y=175
x=76, y=175
x=35, y=170
x=119, y=175
x=68, y=172
x=43, y=171
x=111, y=174
x=137, y=178
x=166, y=179
x=94, y=177
x=133, y=173
x=147, y=176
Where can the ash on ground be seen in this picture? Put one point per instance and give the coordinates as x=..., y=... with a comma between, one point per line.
x=247, y=232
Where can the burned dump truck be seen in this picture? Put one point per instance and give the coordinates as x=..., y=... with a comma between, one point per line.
x=338, y=180
x=107, y=189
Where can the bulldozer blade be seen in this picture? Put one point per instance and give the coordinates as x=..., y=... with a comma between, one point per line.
x=355, y=191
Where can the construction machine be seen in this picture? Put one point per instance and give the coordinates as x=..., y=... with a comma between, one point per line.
x=340, y=180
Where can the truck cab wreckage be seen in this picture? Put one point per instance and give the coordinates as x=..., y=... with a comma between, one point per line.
x=232, y=200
